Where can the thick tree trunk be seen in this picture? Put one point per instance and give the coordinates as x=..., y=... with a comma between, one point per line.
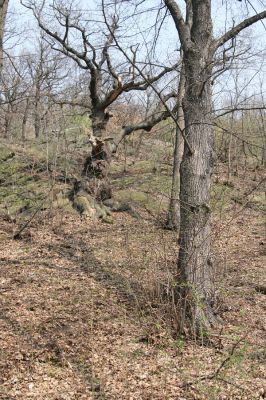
x=173, y=217
x=97, y=164
x=94, y=187
x=194, y=262
x=96, y=170
x=195, y=286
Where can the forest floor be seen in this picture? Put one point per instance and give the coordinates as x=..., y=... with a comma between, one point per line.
x=86, y=310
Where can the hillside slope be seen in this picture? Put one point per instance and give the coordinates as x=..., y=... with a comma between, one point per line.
x=86, y=310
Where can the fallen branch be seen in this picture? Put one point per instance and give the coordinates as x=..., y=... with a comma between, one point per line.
x=214, y=375
x=17, y=235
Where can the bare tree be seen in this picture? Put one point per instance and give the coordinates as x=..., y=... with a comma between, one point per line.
x=45, y=69
x=111, y=76
x=195, y=284
x=14, y=89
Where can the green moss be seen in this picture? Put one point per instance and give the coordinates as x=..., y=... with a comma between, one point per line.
x=132, y=196
x=6, y=154
x=258, y=201
x=84, y=205
x=108, y=219
x=157, y=183
x=141, y=199
x=22, y=185
x=142, y=185
x=139, y=167
x=62, y=202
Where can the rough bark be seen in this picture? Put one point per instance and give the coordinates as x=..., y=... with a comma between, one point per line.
x=93, y=190
x=96, y=170
x=195, y=289
x=194, y=261
x=93, y=187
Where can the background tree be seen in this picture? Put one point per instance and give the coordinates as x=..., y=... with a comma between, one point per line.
x=3, y=12
x=46, y=72
x=29, y=83
x=14, y=89
x=110, y=77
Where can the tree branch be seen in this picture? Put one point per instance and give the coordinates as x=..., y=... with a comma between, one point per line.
x=133, y=85
x=145, y=125
x=237, y=29
x=236, y=109
x=156, y=91
x=181, y=26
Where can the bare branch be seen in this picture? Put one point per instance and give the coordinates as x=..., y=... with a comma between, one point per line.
x=232, y=110
x=145, y=125
x=232, y=33
x=150, y=83
x=181, y=26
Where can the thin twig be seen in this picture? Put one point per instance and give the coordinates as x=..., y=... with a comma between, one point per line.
x=214, y=375
x=17, y=235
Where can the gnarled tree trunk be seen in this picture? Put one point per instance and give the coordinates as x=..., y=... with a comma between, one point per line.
x=94, y=186
x=92, y=193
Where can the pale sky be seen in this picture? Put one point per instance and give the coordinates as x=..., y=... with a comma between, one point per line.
x=225, y=14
